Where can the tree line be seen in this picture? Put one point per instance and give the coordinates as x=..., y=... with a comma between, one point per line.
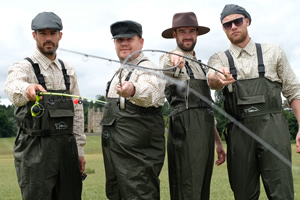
x=8, y=126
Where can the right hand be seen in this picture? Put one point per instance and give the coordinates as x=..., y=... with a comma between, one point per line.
x=31, y=91
x=176, y=59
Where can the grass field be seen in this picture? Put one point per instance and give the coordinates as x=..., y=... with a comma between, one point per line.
x=94, y=185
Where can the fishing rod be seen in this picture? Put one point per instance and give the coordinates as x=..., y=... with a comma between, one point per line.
x=228, y=116
x=117, y=61
x=37, y=109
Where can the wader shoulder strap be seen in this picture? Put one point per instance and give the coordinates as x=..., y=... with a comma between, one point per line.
x=261, y=66
x=201, y=66
x=40, y=77
x=231, y=64
x=129, y=74
x=37, y=72
x=189, y=70
x=66, y=76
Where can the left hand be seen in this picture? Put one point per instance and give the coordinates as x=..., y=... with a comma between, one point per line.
x=127, y=90
x=82, y=163
x=221, y=154
x=298, y=142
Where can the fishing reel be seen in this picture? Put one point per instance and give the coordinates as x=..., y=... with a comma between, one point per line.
x=122, y=103
x=37, y=109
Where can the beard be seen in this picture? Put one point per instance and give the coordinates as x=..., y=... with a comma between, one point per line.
x=238, y=40
x=186, y=48
x=47, y=51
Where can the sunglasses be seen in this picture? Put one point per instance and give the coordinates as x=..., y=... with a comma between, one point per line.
x=237, y=22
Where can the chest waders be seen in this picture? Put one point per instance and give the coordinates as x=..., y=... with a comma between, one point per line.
x=133, y=146
x=46, y=156
x=190, y=141
x=256, y=103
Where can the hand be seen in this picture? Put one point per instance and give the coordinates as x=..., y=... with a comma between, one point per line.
x=127, y=89
x=218, y=80
x=176, y=59
x=82, y=163
x=298, y=142
x=31, y=91
x=225, y=78
x=221, y=154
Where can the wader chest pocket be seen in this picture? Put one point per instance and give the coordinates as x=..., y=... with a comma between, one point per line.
x=251, y=105
x=256, y=99
x=61, y=113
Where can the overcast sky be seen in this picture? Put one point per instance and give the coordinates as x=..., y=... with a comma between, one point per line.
x=86, y=29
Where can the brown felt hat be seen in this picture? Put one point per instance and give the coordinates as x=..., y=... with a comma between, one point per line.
x=186, y=19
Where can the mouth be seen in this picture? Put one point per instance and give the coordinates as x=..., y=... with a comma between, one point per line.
x=187, y=41
x=235, y=33
x=49, y=44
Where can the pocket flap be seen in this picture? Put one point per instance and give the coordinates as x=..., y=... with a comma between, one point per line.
x=107, y=121
x=61, y=113
x=251, y=100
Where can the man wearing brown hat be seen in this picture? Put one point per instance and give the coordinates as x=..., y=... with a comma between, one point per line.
x=133, y=139
x=191, y=125
x=257, y=75
x=49, y=159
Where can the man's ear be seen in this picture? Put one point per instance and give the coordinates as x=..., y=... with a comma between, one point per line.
x=34, y=35
x=174, y=33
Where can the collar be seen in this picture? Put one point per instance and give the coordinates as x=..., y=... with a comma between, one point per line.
x=137, y=59
x=187, y=54
x=249, y=48
x=43, y=61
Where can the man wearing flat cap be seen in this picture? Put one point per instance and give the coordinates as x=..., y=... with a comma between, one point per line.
x=192, y=131
x=48, y=152
x=133, y=134
x=256, y=75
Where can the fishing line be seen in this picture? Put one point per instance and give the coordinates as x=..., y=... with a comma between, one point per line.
x=182, y=85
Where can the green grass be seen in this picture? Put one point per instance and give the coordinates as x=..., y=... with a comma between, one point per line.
x=94, y=184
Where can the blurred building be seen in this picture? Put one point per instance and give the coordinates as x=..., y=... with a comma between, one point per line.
x=95, y=116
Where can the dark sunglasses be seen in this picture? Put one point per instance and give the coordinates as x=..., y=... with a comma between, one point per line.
x=237, y=22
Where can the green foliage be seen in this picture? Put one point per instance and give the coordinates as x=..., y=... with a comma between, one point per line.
x=221, y=119
x=292, y=122
x=8, y=126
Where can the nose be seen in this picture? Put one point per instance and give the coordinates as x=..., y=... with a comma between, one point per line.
x=233, y=26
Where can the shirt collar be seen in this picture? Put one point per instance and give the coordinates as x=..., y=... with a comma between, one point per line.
x=249, y=48
x=137, y=59
x=44, y=61
x=187, y=54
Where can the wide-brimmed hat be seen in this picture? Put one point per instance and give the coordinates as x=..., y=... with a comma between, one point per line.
x=186, y=19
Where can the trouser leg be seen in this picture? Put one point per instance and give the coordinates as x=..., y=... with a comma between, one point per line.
x=276, y=173
x=190, y=155
x=242, y=165
x=47, y=167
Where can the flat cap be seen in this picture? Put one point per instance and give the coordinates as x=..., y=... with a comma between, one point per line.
x=234, y=9
x=46, y=20
x=126, y=29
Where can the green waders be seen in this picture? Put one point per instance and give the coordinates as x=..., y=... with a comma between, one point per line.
x=190, y=142
x=256, y=103
x=133, y=145
x=46, y=157
x=45, y=151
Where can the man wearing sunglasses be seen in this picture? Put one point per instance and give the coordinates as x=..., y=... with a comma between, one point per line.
x=256, y=75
